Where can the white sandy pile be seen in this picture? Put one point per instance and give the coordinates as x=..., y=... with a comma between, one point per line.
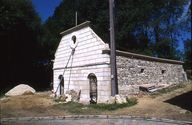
x=20, y=90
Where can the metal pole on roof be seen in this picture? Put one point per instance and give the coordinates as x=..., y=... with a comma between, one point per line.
x=76, y=18
x=114, y=84
x=76, y=10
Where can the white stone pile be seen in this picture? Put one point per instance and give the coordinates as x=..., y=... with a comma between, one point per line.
x=69, y=96
x=119, y=99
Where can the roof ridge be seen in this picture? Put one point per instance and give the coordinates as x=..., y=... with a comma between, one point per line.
x=144, y=57
x=75, y=28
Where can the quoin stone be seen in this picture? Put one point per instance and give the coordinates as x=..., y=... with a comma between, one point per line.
x=83, y=60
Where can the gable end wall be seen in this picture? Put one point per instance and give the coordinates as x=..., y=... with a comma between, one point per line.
x=88, y=58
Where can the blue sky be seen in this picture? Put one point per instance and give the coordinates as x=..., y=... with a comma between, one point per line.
x=45, y=8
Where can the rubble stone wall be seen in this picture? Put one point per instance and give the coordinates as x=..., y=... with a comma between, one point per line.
x=134, y=72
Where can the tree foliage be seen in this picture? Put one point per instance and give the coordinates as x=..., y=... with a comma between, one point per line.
x=142, y=26
x=19, y=34
x=188, y=54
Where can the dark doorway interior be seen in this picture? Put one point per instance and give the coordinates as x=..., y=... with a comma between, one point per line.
x=93, y=88
x=61, y=84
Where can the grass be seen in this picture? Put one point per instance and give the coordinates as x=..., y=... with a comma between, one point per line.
x=110, y=107
x=77, y=108
x=1, y=95
x=168, y=89
x=3, y=91
x=71, y=107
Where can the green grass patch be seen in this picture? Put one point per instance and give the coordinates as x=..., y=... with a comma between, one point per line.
x=78, y=108
x=71, y=107
x=110, y=107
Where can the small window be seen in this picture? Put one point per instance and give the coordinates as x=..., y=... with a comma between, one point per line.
x=60, y=77
x=163, y=71
x=142, y=70
x=74, y=39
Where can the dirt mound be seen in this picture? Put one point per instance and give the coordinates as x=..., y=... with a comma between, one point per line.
x=20, y=90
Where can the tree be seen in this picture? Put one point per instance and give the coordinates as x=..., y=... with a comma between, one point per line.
x=166, y=26
x=19, y=33
x=188, y=54
x=140, y=24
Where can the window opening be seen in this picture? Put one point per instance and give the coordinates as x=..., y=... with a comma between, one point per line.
x=163, y=71
x=74, y=39
x=142, y=70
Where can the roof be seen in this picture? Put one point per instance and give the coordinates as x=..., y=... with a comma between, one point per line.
x=78, y=27
x=143, y=57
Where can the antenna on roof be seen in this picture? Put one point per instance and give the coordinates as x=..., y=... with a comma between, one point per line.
x=76, y=9
x=76, y=18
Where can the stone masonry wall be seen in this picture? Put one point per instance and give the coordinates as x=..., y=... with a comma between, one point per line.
x=134, y=72
x=77, y=79
x=87, y=58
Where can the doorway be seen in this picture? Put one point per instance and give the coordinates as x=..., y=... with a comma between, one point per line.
x=93, y=88
x=61, y=84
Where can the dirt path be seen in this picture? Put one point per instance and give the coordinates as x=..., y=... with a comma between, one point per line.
x=28, y=105
x=168, y=105
x=159, y=107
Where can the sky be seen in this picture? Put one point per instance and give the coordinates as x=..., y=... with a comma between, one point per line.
x=45, y=8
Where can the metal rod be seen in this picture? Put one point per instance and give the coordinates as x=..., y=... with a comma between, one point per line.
x=76, y=18
x=114, y=84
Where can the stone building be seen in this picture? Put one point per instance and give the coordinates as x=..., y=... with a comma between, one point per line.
x=82, y=62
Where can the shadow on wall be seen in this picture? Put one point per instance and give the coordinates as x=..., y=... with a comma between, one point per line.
x=184, y=101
